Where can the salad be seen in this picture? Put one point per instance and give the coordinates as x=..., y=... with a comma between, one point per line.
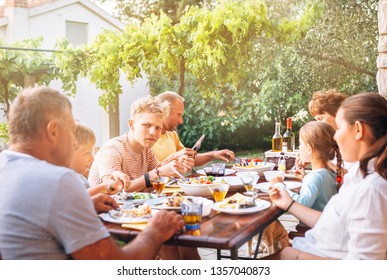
x=203, y=180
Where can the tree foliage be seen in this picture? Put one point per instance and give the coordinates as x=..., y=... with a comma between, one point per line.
x=214, y=44
x=139, y=10
x=16, y=65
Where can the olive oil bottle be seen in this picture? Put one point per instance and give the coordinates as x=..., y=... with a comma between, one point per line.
x=276, y=141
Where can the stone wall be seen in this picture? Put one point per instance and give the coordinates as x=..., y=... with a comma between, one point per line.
x=381, y=76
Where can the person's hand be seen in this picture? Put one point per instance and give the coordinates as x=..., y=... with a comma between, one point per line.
x=225, y=155
x=168, y=169
x=280, y=197
x=275, y=180
x=104, y=203
x=299, y=162
x=299, y=173
x=122, y=180
x=185, y=152
x=187, y=162
x=165, y=224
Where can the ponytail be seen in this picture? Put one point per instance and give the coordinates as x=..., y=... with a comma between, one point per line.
x=377, y=150
x=339, y=167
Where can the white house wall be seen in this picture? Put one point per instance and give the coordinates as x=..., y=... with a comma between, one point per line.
x=51, y=25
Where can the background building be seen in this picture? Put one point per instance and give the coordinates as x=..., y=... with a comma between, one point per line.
x=79, y=21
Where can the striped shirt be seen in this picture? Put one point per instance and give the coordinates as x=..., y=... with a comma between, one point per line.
x=116, y=154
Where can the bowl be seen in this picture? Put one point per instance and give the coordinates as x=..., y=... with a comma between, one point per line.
x=259, y=167
x=273, y=174
x=207, y=206
x=195, y=189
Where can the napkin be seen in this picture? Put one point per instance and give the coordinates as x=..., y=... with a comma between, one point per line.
x=135, y=226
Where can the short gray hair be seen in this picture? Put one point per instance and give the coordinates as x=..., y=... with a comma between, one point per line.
x=169, y=96
x=32, y=109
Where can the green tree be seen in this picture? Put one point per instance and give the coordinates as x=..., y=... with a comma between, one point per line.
x=138, y=10
x=19, y=68
x=239, y=64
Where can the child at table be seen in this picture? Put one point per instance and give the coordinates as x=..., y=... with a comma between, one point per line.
x=83, y=158
x=318, y=147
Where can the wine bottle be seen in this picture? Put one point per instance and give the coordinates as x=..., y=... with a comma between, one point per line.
x=288, y=144
x=276, y=140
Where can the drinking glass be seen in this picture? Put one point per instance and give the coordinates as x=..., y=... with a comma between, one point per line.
x=191, y=209
x=282, y=165
x=158, y=184
x=219, y=169
x=219, y=192
x=249, y=180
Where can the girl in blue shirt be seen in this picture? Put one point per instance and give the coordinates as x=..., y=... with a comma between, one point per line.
x=317, y=147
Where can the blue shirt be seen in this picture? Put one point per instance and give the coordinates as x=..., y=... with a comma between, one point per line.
x=317, y=188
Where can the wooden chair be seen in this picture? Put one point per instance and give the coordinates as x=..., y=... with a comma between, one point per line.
x=300, y=231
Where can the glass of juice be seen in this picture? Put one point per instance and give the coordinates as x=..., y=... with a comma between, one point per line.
x=219, y=192
x=158, y=184
x=191, y=209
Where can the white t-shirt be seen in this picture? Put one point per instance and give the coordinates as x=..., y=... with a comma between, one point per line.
x=353, y=225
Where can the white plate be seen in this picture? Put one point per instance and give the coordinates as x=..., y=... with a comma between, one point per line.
x=264, y=187
x=123, y=220
x=261, y=205
x=290, y=175
x=136, y=201
x=161, y=207
x=227, y=172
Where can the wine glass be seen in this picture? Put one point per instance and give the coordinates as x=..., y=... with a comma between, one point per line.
x=249, y=180
x=158, y=184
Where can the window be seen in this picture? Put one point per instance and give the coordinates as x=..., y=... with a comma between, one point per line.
x=76, y=32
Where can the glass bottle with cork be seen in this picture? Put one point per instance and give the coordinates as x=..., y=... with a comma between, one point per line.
x=276, y=140
x=288, y=143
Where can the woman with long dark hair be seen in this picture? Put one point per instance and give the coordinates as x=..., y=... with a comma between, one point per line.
x=353, y=225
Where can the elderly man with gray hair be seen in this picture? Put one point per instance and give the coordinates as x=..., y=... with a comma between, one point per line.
x=169, y=147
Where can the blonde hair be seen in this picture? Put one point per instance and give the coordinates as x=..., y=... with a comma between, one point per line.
x=326, y=102
x=319, y=136
x=32, y=109
x=83, y=135
x=151, y=105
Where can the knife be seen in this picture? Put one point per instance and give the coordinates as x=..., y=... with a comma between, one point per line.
x=197, y=145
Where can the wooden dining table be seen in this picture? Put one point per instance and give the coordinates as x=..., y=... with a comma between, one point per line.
x=218, y=230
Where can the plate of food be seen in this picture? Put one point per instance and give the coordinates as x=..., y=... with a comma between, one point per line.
x=198, y=186
x=141, y=214
x=227, y=172
x=241, y=206
x=259, y=167
x=290, y=185
x=171, y=202
x=134, y=197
